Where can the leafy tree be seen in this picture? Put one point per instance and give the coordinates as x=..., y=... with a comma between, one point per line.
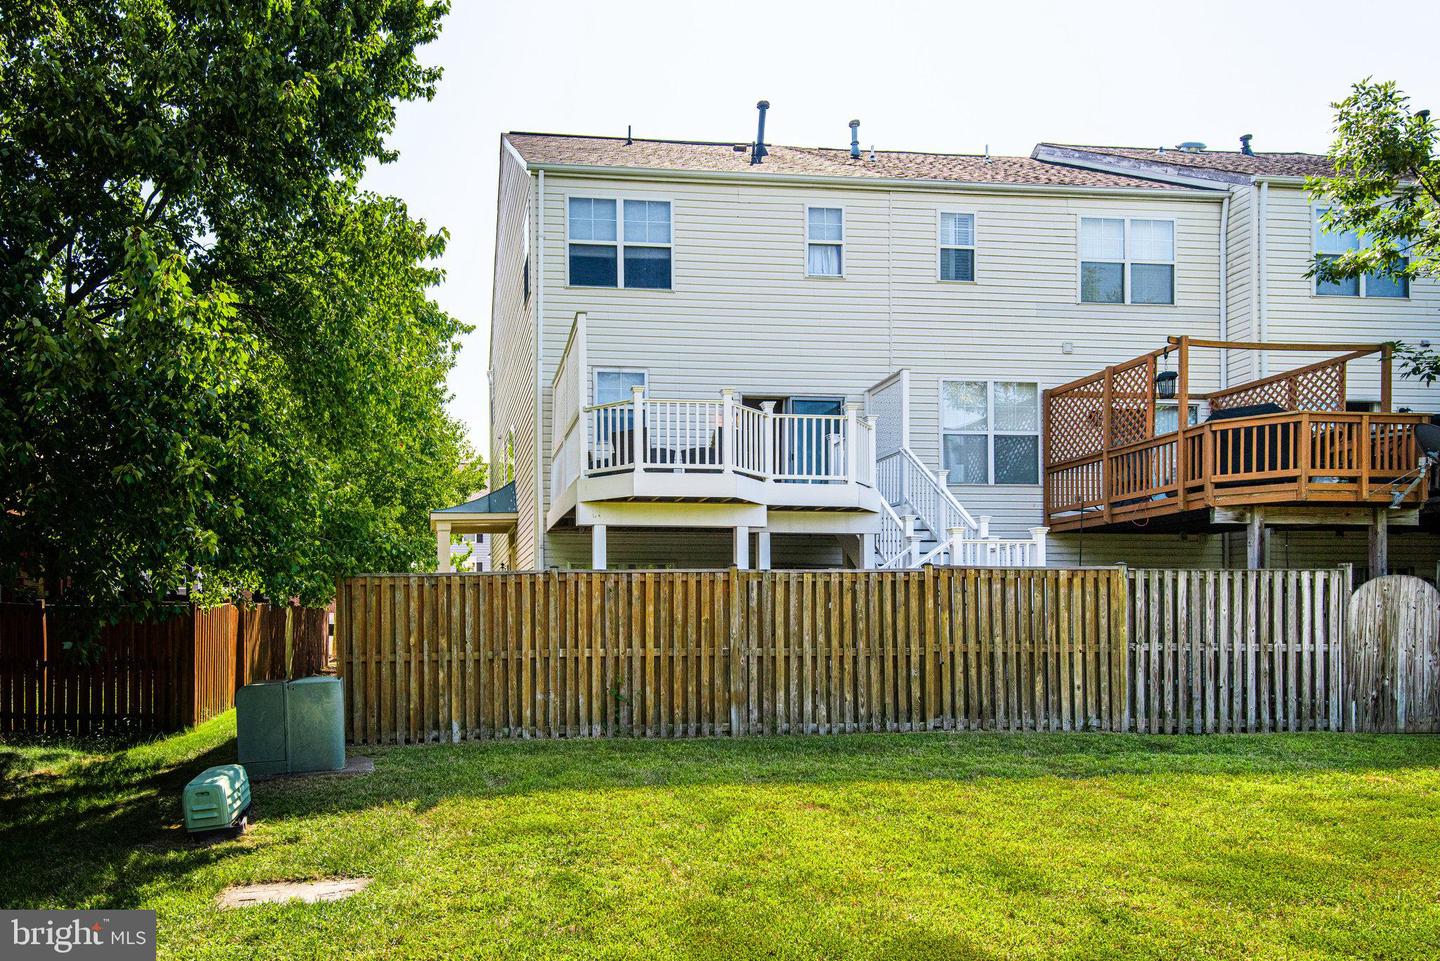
x=1386, y=190
x=219, y=361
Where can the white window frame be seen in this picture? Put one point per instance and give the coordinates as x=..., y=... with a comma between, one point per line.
x=619, y=242
x=1174, y=405
x=595, y=373
x=843, y=244
x=991, y=433
x=941, y=245
x=1315, y=210
x=1126, y=262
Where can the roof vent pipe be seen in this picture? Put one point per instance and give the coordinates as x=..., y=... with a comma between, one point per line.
x=1245, y=144
x=758, y=153
x=855, y=139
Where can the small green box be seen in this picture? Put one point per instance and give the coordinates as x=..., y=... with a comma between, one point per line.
x=216, y=798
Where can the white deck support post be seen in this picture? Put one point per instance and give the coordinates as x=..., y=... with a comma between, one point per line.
x=442, y=547
x=867, y=552
x=597, y=547
x=912, y=539
x=742, y=548
x=852, y=442
x=957, y=546
x=767, y=464
x=1038, y=535
x=984, y=527
x=637, y=429
x=762, y=550
x=727, y=430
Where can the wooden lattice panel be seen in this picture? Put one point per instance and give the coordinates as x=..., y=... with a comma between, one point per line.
x=1314, y=388
x=1072, y=423
x=1132, y=402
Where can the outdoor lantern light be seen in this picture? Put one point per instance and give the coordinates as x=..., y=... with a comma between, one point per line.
x=1165, y=384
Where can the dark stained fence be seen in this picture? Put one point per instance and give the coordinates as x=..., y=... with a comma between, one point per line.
x=172, y=671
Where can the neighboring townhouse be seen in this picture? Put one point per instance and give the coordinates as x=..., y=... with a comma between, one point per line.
x=826, y=357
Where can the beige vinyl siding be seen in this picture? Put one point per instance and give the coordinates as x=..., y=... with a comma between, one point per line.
x=1296, y=313
x=512, y=358
x=1024, y=306
x=1240, y=282
x=743, y=314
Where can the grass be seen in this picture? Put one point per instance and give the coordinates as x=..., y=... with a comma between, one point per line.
x=875, y=846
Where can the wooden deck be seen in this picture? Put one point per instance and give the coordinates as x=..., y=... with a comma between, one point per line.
x=1106, y=468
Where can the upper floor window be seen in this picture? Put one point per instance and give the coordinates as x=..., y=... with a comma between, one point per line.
x=957, y=246
x=825, y=241
x=990, y=431
x=1330, y=244
x=603, y=255
x=1127, y=261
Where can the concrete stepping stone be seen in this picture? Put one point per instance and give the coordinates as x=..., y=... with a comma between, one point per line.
x=311, y=892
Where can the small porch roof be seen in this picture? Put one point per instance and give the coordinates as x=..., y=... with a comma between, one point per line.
x=492, y=512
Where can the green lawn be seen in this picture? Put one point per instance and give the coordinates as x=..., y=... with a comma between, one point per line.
x=883, y=846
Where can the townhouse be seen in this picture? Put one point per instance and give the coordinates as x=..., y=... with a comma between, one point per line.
x=728, y=352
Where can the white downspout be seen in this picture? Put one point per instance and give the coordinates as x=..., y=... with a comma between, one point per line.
x=1254, y=333
x=539, y=366
x=1225, y=288
x=1262, y=281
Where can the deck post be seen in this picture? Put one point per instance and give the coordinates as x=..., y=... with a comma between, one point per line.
x=867, y=552
x=727, y=430
x=742, y=548
x=637, y=430
x=767, y=407
x=912, y=539
x=852, y=442
x=762, y=550
x=957, y=546
x=1038, y=535
x=1379, y=542
x=1385, y=364
x=442, y=547
x=1182, y=420
x=984, y=526
x=1255, y=540
x=597, y=547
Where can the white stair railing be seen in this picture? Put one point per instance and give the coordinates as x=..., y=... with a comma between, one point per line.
x=903, y=479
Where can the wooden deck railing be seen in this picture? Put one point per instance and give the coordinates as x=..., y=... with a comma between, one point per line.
x=1273, y=458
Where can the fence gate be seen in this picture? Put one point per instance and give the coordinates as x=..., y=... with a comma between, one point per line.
x=1392, y=647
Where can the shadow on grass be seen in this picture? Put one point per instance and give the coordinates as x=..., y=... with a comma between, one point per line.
x=101, y=832
x=422, y=776
x=96, y=833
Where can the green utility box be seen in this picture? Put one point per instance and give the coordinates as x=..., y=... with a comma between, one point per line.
x=216, y=799
x=315, y=726
x=291, y=727
x=260, y=727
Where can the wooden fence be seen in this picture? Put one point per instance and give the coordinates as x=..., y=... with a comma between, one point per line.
x=172, y=671
x=671, y=654
x=1233, y=651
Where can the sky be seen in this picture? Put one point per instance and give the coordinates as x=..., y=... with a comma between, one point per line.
x=935, y=76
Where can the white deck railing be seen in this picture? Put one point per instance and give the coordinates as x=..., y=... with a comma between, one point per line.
x=902, y=478
x=720, y=435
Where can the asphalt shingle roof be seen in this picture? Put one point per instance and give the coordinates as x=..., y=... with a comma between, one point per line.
x=682, y=155
x=1229, y=161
